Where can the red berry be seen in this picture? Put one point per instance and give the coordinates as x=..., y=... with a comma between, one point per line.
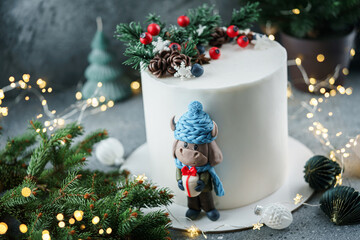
x=183, y=21
x=153, y=29
x=214, y=52
x=145, y=38
x=243, y=41
x=175, y=47
x=232, y=31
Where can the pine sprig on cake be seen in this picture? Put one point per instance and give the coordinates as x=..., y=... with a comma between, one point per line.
x=198, y=29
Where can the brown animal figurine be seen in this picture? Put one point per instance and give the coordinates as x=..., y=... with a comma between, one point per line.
x=196, y=153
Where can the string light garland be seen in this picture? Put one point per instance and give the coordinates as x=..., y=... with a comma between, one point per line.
x=78, y=108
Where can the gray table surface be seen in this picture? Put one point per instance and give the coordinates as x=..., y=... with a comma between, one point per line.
x=125, y=121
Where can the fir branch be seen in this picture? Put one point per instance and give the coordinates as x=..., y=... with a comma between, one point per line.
x=85, y=146
x=128, y=33
x=189, y=48
x=245, y=16
x=139, y=55
x=204, y=18
x=177, y=35
x=153, y=18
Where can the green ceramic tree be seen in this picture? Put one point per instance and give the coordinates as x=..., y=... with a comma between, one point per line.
x=104, y=68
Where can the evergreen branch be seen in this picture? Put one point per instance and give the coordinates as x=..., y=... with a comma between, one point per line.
x=153, y=18
x=38, y=127
x=85, y=146
x=245, y=16
x=129, y=33
x=189, y=48
x=139, y=55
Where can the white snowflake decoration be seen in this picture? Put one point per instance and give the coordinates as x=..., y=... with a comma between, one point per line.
x=200, y=29
x=160, y=45
x=262, y=42
x=183, y=71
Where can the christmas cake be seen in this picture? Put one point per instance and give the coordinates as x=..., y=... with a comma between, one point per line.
x=239, y=77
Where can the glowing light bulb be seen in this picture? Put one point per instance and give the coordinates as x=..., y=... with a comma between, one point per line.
x=193, y=231
x=78, y=95
x=298, y=61
x=110, y=104
x=78, y=214
x=109, y=231
x=332, y=81
x=61, y=224
x=60, y=217
x=23, y=228
x=43, y=102
x=311, y=88
x=26, y=192
x=348, y=91
x=309, y=115
x=312, y=80
x=322, y=90
x=3, y=228
x=103, y=107
x=320, y=57
x=102, y=99
x=101, y=231
x=95, y=220
x=352, y=52
x=345, y=71
x=71, y=220
x=296, y=11
x=11, y=79
x=26, y=77
x=99, y=84
x=271, y=37
x=135, y=85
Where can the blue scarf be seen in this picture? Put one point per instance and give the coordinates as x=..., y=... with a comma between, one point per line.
x=218, y=187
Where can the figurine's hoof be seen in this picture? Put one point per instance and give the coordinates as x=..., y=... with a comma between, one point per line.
x=192, y=214
x=213, y=215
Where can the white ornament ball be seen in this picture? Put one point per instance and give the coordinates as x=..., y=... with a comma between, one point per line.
x=275, y=215
x=110, y=152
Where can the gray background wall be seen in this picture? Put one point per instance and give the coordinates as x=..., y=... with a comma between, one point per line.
x=50, y=39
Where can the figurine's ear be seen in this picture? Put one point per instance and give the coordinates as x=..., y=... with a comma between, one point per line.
x=215, y=155
x=174, y=148
x=172, y=123
x=214, y=132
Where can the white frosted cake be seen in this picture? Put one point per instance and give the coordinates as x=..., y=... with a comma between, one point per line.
x=244, y=92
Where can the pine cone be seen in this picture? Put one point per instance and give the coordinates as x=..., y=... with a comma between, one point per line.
x=175, y=59
x=201, y=59
x=158, y=64
x=219, y=37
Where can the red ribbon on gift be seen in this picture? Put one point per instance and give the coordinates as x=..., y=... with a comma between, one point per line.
x=188, y=172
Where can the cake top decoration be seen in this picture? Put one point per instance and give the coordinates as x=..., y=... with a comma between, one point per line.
x=195, y=126
x=179, y=50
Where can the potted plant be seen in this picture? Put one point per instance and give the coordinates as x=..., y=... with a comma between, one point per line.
x=320, y=33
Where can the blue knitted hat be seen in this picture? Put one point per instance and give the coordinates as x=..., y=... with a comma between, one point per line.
x=194, y=126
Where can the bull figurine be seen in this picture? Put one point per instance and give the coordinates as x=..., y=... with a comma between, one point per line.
x=196, y=153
